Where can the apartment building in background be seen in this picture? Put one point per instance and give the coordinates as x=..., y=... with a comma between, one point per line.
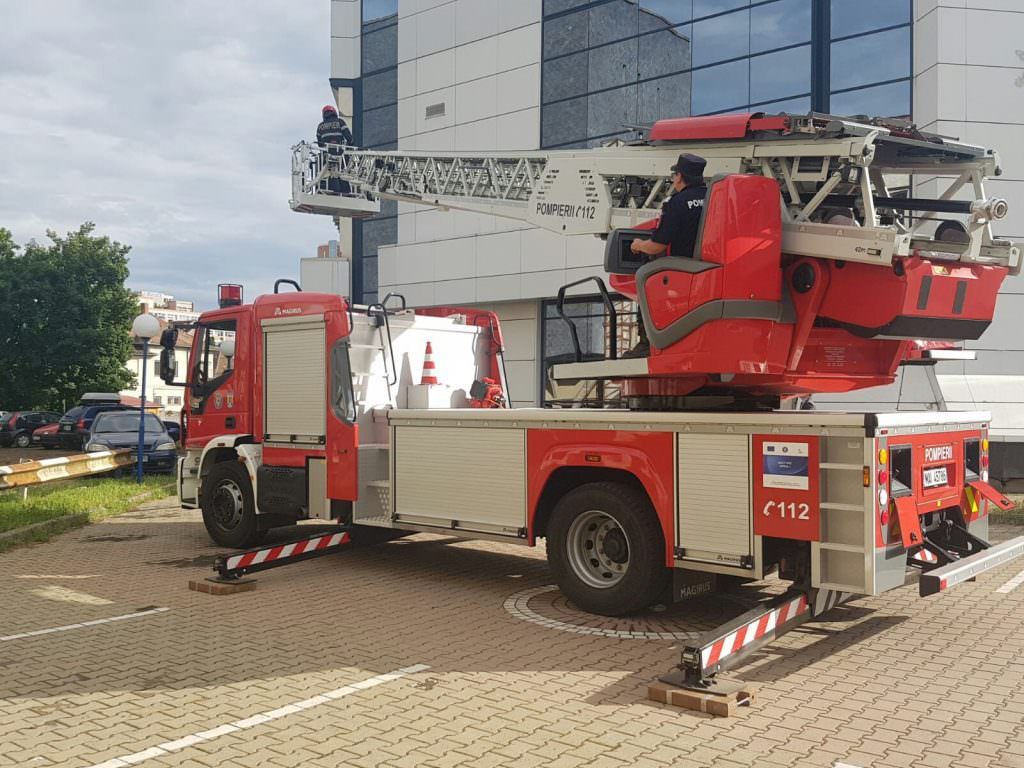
x=442, y=75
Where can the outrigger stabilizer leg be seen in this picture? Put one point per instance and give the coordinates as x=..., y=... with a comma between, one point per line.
x=728, y=645
x=230, y=568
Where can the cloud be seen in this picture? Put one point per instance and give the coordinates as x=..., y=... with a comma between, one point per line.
x=168, y=125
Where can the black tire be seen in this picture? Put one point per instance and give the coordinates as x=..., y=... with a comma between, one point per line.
x=24, y=440
x=625, y=516
x=229, y=512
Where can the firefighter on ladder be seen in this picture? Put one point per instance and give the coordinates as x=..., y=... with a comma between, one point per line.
x=678, y=227
x=334, y=135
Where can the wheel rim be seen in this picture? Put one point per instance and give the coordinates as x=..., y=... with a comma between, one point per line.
x=228, y=505
x=598, y=549
x=23, y=441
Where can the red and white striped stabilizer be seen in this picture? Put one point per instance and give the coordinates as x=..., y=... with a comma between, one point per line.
x=756, y=629
x=925, y=556
x=263, y=557
x=429, y=369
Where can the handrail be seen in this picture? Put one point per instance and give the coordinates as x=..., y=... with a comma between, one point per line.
x=613, y=345
x=379, y=310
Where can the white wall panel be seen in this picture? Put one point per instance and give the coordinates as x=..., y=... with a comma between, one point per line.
x=542, y=285
x=479, y=135
x=407, y=30
x=500, y=288
x=345, y=57
x=519, y=88
x=476, y=60
x=499, y=254
x=442, y=140
x=426, y=124
x=475, y=19
x=542, y=250
x=407, y=79
x=406, y=118
x=435, y=71
x=345, y=18
x=518, y=48
x=455, y=291
x=519, y=130
x=518, y=13
x=476, y=100
x=523, y=380
x=435, y=29
x=454, y=259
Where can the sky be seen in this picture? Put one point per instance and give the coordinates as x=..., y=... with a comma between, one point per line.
x=169, y=125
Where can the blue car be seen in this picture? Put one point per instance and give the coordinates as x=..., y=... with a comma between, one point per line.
x=111, y=430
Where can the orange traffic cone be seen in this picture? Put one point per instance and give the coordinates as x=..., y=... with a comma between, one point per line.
x=429, y=370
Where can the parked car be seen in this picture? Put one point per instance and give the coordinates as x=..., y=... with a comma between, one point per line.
x=75, y=424
x=173, y=429
x=120, y=429
x=17, y=429
x=46, y=436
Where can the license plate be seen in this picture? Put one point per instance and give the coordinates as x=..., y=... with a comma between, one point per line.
x=66, y=428
x=936, y=476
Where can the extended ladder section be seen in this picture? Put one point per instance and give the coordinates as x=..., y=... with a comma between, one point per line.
x=846, y=186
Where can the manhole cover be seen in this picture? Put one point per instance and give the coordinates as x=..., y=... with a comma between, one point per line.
x=547, y=607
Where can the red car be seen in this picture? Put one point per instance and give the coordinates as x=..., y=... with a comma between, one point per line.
x=20, y=425
x=46, y=437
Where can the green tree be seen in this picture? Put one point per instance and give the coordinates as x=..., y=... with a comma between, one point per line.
x=65, y=319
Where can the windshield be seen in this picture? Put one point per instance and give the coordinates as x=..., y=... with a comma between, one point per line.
x=126, y=422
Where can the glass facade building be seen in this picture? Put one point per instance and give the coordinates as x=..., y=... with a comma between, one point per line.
x=611, y=66
x=376, y=108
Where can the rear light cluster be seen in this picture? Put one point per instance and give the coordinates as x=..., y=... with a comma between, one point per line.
x=984, y=460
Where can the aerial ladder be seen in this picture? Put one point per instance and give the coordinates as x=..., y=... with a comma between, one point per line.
x=816, y=269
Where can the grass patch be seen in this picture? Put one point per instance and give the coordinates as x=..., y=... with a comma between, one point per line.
x=80, y=501
x=1013, y=516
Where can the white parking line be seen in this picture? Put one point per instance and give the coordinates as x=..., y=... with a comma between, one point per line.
x=265, y=717
x=93, y=623
x=1012, y=584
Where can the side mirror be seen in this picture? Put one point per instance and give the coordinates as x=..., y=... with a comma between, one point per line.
x=169, y=338
x=168, y=364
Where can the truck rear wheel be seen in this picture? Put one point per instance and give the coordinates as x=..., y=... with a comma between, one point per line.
x=606, y=549
x=229, y=512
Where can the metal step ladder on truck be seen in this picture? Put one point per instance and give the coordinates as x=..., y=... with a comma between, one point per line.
x=811, y=276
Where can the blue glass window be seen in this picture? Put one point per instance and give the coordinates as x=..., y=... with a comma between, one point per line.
x=781, y=74
x=891, y=100
x=871, y=58
x=703, y=8
x=851, y=17
x=721, y=37
x=722, y=87
x=666, y=12
x=778, y=24
x=378, y=9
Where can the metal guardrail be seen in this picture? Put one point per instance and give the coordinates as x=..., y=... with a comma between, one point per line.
x=63, y=468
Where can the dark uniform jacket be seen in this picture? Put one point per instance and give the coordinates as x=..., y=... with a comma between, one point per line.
x=680, y=220
x=333, y=131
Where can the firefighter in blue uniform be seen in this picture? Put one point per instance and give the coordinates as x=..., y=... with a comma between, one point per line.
x=680, y=215
x=677, y=230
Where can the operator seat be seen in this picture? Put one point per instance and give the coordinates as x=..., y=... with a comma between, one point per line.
x=738, y=275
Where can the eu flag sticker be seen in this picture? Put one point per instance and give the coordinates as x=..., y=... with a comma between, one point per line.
x=785, y=465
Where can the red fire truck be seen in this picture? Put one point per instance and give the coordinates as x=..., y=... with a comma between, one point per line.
x=811, y=276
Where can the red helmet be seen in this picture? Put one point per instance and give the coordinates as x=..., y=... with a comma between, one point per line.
x=329, y=108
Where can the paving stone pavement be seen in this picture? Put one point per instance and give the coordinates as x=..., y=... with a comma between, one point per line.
x=887, y=681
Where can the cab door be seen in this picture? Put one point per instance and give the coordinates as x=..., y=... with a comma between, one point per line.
x=217, y=400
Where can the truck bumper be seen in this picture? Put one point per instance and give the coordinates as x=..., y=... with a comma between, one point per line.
x=967, y=568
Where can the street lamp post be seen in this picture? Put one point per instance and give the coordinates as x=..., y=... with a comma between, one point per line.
x=144, y=327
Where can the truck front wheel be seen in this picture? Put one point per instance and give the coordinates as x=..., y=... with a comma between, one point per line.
x=229, y=513
x=606, y=549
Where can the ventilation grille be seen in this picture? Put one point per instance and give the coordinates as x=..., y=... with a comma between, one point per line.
x=435, y=110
